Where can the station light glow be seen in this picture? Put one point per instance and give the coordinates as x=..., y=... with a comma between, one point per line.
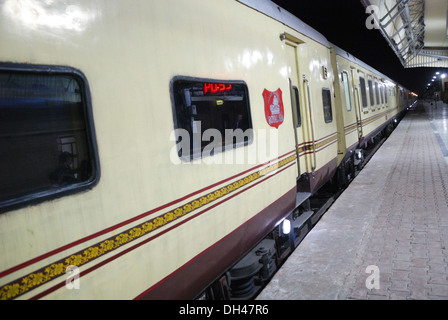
x=286, y=226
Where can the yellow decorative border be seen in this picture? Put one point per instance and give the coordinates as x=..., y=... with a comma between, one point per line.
x=33, y=280
x=332, y=139
x=373, y=118
x=308, y=146
x=350, y=128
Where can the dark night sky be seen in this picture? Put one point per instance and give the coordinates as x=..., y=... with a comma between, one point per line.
x=342, y=22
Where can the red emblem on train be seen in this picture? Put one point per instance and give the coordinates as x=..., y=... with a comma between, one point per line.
x=273, y=107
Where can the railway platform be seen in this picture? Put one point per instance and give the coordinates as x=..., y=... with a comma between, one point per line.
x=386, y=236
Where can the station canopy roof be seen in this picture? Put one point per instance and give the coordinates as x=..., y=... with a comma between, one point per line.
x=416, y=30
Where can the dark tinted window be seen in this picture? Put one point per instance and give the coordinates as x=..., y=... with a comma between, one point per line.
x=377, y=93
x=326, y=100
x=296, y=105
x=382, y=93
x=46, y=144
x=362, y=84
x=372, y=101
x=211, y=113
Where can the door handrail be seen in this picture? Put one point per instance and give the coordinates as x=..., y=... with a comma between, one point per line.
x=305, y=81
x=358, y=114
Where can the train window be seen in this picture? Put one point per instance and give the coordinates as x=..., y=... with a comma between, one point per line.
x=362, y=84
x=372, y=101
x=46, y=134
x=296, y=106
x=377, y=93
x=382, y=93
x=209, y=114
x=326, y=99
x=385, y=94
x=348, y=103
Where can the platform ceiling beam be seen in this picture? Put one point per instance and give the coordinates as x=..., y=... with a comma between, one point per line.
x=416, y=30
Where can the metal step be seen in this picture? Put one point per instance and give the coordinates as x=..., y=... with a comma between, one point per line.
x=302, y=197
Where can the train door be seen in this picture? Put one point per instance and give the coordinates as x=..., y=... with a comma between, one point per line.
x=305, y=161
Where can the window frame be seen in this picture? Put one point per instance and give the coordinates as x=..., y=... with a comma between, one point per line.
x=382, y=92
x=362, y=85
x=371, y=93
x=325, y=90
x=195, y=155
x=296, y=103
x=34, y=198
x=346, y=85
x=377, y=92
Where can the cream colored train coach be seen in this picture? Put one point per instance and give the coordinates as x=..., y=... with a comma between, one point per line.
x=147, y=147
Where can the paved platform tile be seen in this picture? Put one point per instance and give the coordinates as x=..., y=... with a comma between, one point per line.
x=393, y=216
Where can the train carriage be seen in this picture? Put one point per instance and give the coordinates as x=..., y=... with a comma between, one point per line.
x=147, y=148
x=369, y=106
